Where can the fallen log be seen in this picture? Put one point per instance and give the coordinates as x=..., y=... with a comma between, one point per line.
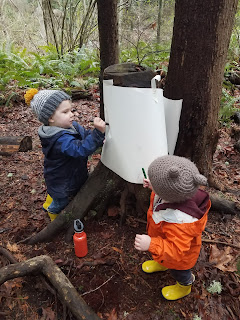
x=223, y=206
x=9, y=145
x=67, y=293
x=77, y=94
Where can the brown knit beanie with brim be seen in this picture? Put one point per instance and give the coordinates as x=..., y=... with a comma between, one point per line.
x=175, y=179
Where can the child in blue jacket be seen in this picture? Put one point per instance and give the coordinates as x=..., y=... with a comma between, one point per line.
x=66, y=146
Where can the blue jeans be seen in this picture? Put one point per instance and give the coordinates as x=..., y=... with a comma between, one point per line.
x=58, y=204
x=184, y=277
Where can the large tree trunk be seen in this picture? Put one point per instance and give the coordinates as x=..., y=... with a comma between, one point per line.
x=201, y=35
x=108, y=38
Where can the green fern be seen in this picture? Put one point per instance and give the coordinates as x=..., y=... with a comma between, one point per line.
x=45, y=69
x=227, y=107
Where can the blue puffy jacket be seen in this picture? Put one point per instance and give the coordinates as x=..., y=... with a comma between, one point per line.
x=66, y=153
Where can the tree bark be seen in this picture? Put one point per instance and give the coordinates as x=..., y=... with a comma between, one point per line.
x=108, y=38
x=9, y=145
x=201, y=35
x=68, y=294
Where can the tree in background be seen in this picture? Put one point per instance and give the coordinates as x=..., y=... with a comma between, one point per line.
x=159, y=20
x=108, y=39
x=201, y=35
x=69, y=24
x=145, y=31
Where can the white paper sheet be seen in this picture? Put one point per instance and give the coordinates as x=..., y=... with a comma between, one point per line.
x=136, y=134
x=172, y=109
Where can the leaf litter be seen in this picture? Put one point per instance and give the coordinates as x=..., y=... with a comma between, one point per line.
x=110, y=276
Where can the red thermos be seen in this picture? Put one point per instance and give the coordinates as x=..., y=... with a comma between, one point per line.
x=80, y=239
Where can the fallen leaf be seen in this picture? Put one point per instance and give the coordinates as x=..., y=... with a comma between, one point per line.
x=11, y=285
x=106, y=235
x=183, y=313
x=58, y=261
x=112, y=315
x=222, y=259
x=48, y=314
x=12, y=247
x=118, y=250
x=10, y=204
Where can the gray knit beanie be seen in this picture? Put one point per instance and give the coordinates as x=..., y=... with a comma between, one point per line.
x=45, y=102
x=175, y=179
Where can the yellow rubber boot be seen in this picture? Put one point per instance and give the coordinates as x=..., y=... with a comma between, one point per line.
x=52, y=216
x=151, y=266
x=175, y=292
x=47, y=202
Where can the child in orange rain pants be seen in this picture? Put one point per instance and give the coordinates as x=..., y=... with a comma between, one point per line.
x=175, y=220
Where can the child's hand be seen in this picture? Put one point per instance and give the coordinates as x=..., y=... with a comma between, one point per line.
x=142, y=242
x=99, y=124
x=147, y=184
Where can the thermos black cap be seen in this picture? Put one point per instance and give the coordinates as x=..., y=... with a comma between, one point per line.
x=78, y=225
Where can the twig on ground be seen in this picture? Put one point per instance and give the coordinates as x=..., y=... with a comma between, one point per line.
x=95, y=263
x=3, y=230
x=221, y=242
x=90, y=291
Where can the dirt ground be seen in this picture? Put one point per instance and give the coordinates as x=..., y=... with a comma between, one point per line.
x=109, y=278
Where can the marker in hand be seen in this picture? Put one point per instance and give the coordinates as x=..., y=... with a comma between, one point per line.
x=144, y=173
x=106, y=123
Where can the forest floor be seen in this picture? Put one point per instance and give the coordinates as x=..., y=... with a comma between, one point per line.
x=109, y=278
